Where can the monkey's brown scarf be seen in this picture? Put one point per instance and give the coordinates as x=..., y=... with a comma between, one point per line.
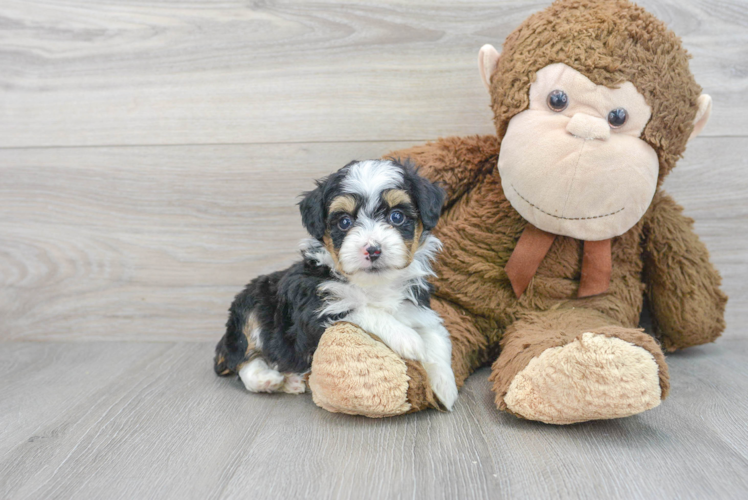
x=534, y=244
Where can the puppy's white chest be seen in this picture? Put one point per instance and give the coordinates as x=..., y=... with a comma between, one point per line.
x=389, y=300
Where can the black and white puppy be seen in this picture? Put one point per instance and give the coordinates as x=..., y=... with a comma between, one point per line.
x=367, y=263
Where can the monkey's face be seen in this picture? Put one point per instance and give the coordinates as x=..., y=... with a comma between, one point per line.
x=573, y=163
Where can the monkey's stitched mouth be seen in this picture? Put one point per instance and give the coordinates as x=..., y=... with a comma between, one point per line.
x=564, y=218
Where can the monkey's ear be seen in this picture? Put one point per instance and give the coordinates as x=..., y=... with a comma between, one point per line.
x=488, y=57
x=312, y=209
x=702, y=115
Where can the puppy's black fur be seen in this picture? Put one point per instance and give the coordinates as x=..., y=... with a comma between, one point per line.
x=287, y=303
x=429, y=196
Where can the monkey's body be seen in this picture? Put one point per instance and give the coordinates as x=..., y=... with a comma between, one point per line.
x=555, y=357
x=480, y=230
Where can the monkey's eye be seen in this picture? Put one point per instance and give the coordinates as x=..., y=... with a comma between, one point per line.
x=396, y=217
x=345, y=223
x=617, y=117
x=558, y=100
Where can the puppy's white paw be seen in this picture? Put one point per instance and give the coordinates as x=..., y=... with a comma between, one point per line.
x=264, y=381
x=294, y=384
x=408, y=345
x=442, y=383
x=258, y=377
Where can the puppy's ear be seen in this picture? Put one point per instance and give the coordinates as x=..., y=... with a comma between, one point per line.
x=429, y=196
x=312, y=209
x=430, y=202
x=313, y=206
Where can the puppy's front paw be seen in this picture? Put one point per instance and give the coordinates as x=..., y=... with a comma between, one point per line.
x=294, y=384
x=443, y=384
x=258, y=377
x=408, y=345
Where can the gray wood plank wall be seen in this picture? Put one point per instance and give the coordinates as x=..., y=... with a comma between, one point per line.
x=151, y=153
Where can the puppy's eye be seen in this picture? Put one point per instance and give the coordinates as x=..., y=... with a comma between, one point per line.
x=345, y=223
x=558, y=100
x=617, y=117
x=396, y=217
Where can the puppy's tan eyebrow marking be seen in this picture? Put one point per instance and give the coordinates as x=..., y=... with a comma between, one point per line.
x=345, y=203
x=395, y=197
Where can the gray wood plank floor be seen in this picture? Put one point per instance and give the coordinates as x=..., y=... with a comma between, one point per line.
x=151, y=155
x=153, y=421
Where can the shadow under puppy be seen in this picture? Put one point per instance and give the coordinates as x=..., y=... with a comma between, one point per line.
x=367, y=263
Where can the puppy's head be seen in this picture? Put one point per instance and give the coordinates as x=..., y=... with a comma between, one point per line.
x=372, y=216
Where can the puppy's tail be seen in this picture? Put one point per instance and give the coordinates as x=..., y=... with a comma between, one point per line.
x=221, y=364
x=235, y=348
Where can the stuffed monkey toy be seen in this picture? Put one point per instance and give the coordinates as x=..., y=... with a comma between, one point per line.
x=555, y=230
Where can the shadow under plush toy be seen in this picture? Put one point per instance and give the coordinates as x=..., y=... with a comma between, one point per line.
x=547, y=258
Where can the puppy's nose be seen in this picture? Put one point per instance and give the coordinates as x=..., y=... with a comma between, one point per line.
x=373, y=252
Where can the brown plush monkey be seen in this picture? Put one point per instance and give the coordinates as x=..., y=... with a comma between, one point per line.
x=556, y=229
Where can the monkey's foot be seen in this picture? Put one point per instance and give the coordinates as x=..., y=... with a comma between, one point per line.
x=354, y=373
x=593, y=377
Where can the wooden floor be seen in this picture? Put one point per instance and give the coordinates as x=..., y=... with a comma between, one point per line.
x=150, y=420
x=151, y=155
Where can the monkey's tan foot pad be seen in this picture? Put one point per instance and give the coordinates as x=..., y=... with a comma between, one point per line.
x=356, y=374
x=595, y=377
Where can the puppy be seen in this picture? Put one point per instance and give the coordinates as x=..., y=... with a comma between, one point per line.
x=367, y=263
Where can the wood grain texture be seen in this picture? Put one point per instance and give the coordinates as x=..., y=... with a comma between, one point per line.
x=199, y=72
x=148, y=243
x=153, y=242
x=163, y=426
x=151, y=155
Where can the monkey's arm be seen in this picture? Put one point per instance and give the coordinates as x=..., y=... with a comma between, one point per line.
x=682, y=284
x=456, y=163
